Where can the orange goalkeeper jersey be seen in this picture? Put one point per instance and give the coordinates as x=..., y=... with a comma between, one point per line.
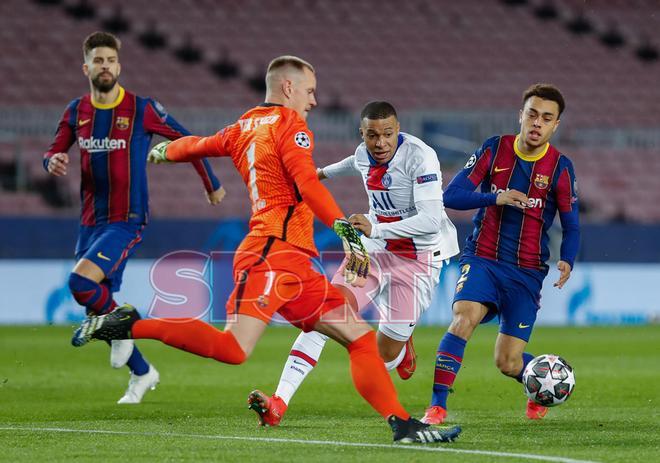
x=271, y=146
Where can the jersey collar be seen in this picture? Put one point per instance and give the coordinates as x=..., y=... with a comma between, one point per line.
x=114, y=104
x=373, y=162
x=526, y=157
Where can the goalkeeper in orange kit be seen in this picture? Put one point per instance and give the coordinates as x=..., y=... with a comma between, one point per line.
x=271, y=147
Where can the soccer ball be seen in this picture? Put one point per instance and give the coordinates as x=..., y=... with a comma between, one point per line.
x=548, y=380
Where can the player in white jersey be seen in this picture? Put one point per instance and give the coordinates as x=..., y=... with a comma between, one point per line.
x=408, y=236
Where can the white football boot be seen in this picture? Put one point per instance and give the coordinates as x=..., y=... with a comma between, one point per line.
x=120, y=352
x=139, y=385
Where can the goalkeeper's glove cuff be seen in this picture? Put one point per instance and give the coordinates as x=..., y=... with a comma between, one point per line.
x=158, y=153
x=357, y=264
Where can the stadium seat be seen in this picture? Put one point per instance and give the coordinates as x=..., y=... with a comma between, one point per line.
x=468, y=55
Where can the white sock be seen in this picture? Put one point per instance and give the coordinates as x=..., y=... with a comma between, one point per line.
x=395, y=363
x=304, y=354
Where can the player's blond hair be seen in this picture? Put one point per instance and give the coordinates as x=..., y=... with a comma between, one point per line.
x=284, y=63
x=288, y=61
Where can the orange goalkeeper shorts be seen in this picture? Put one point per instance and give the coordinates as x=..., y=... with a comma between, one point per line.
x=271, y=276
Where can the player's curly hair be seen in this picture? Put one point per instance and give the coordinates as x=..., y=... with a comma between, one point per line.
x=377, y=110
x=100, y=39
x=546, y=92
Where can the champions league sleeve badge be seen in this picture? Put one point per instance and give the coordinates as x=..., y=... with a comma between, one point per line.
x=471, y=162
x=302, y=140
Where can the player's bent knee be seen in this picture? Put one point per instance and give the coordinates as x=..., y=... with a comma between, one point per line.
x=343, y=333
x=508, y=366
x=466, y=317
x=462, y=326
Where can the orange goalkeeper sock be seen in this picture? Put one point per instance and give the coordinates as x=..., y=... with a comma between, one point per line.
x=371, y=379
x=193, y=336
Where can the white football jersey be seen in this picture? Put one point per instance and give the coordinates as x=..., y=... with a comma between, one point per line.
x=412, y=175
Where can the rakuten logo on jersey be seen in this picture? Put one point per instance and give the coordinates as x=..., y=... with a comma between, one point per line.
x=532, y=202
x=96, y=145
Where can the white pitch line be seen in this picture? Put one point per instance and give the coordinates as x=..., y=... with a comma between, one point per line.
x=275, y=440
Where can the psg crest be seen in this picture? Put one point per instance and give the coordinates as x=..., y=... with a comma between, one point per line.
x=541, y=181
x=386, y=180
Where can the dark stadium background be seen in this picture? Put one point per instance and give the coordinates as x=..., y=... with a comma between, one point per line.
x=454, y=70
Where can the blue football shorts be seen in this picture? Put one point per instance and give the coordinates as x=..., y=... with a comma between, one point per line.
x=511, y=293
x=109, y=246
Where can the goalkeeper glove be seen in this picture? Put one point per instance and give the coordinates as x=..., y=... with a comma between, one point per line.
x=357, y=265
x=157, y=154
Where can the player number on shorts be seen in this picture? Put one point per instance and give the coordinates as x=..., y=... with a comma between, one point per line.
x=263, y=300
x=270, y=278
x=465, y=269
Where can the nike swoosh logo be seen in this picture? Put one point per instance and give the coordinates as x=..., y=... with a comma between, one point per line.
x=498, y=169
x=101, y=256
x=82, y=122
x=299, y=363
x=412, y=324
x=521, y=326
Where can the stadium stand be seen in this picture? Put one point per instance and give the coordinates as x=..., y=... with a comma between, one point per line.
x=459, y=56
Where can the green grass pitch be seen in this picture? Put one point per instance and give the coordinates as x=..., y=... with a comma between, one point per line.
x=199, y=412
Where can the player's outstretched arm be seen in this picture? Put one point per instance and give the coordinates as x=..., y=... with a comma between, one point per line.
x=215, y=192
x=299, y=164
x=460, y=195
x=157, y=120
x=345, y=167
x=323, y=205
x=186, y=149
x=157, y=154
x=427, y=221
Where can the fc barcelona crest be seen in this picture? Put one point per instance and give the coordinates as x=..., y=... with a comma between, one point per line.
x=541, y=181
x=123, y=122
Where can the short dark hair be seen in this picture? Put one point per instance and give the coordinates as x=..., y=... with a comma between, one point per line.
x=100, y=39
x=378, y=110
x=546, y=92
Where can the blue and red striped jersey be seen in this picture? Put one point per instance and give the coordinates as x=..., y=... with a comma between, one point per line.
x=114, y=141
x=508, y=234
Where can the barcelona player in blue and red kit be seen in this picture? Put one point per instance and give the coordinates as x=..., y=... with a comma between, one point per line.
x=524, y=182
x=113, y=129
